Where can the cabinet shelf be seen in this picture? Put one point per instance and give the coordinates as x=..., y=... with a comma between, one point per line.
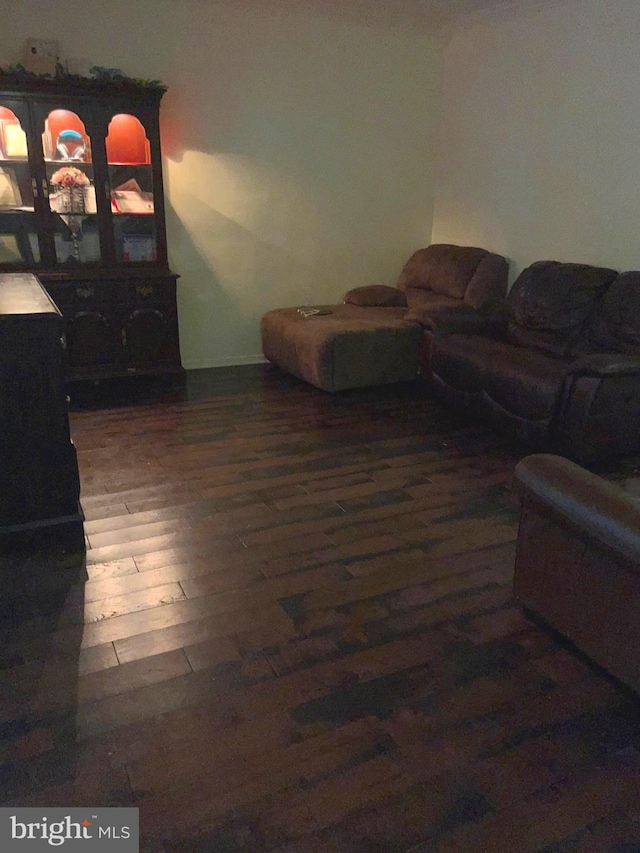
x=67, y=162
x=134, y=165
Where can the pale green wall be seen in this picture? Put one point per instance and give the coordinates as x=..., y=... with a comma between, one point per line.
x=298, y=147
x=540, y=134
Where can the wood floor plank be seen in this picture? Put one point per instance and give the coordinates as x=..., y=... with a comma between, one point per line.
x=132, y=533
x=107, y=523
x=181, y=634
x=112, y=569
x=152, y=544
x=132, y=676
x=133, y=602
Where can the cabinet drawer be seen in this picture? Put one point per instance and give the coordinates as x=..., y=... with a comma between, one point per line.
x=144, y=291
x=72, y=297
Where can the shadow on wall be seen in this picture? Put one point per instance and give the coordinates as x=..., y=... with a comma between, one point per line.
x=291, y=194
x=232, y=268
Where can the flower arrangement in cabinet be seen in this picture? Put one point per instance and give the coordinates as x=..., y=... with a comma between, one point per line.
x=69, y=200
x=71, y=181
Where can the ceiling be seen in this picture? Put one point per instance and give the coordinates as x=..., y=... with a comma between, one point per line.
x=433, y=14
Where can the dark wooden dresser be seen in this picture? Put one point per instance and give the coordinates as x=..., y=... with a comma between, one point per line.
x=39, y=483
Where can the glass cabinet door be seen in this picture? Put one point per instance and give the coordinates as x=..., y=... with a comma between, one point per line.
x=19, y=244
x=70, y=188
x=131, y=184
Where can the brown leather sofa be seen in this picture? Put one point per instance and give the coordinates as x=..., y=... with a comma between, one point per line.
x=578, y=560
x=558, y=369
x=375, y=336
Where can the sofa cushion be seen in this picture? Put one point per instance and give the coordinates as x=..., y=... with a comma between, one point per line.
x=615, y=326
x=376, y=295
x=461, y=361
x=549, y=303
x=441, y=268
x=522, y=382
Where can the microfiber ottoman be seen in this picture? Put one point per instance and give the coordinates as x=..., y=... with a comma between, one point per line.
x=350, y=347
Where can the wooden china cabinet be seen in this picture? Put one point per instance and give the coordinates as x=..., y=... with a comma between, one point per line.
x=82, y=207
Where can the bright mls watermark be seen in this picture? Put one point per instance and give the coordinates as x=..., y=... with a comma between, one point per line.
x=112, y=830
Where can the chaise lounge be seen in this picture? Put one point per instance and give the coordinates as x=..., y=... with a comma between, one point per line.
x=375, y=337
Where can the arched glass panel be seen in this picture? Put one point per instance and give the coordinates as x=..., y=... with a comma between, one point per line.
x=18, y=234
x=71, y=191
x=131, y=182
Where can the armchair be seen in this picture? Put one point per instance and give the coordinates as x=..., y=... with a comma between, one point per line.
x=578, y=560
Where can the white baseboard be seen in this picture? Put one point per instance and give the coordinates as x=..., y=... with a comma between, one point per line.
x=231, y=361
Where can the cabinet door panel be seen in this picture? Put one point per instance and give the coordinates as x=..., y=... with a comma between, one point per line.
x=149, y=336
x=91, y=339
x=20, y=245
x=135, y=181
x=131, y=182
x=69, y=182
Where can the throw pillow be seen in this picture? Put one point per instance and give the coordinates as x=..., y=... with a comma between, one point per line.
x=376, y=295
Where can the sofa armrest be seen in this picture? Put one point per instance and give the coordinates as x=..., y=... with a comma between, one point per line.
x=602, y=365
x=600, y=509
x=598, y=413
x=376, y=296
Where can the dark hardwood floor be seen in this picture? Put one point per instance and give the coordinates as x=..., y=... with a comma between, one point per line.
x=294, y=631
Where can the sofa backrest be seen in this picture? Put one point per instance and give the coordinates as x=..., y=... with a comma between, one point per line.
x=443, y=274
x=614, y=325
x=550, y=302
